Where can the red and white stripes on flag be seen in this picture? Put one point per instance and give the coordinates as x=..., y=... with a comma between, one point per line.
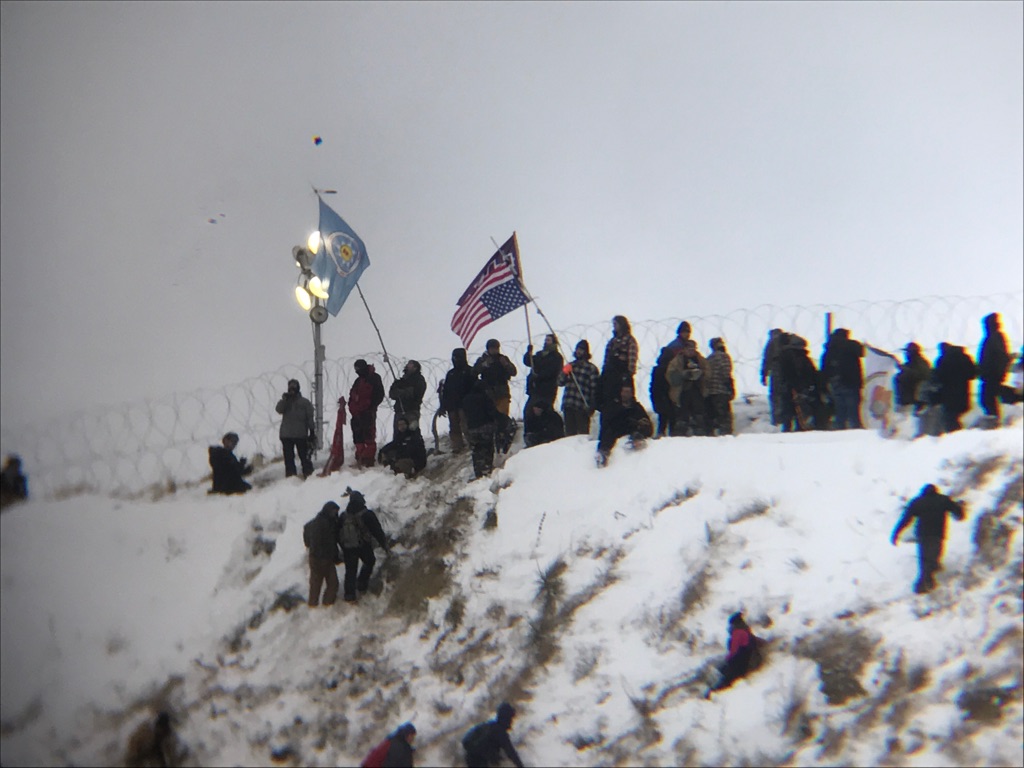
x=494, y=292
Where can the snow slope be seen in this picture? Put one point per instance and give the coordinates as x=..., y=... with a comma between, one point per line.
x=594, y=600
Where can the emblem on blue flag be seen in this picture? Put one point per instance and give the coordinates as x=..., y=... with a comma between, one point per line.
x=340, y=260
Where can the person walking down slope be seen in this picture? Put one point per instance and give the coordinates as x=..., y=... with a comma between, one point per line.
x=366, y=394
x=320, y=535
x=495, y=370
x=407, y=392
x=993, y=365
x=358, y=527
x=542, y=382
x=743, y=654
x=297, y=429
x=228, y=470
x=396, y=751
x=929, y=508
x=484, y=742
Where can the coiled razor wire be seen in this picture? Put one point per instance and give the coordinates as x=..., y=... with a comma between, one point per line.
x=154, y=446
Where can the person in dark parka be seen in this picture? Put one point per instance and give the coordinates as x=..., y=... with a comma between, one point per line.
x=542, y=382
x=843, y=376
x=993, y=365
x=406, y=453
x=485, y=742
x=482, y=419
x=929, y=508
x=909, y=381
x=952, y=376
x=228, y=470
x=13, y=483
x=495, y=370
x=358, y=528
x=541, y=423
x=396, y=751
x=622, y=417
x=320, y=535
x=796, y=381
x=407, y=392
x=457, y=382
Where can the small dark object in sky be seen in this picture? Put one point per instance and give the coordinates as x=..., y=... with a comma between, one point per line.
x=212, y=221
x=317, y=140
x=221, y=215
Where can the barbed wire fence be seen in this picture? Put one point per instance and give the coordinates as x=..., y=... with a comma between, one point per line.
x=154, y=446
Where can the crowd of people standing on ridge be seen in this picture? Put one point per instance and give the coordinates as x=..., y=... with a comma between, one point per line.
x=691, y=395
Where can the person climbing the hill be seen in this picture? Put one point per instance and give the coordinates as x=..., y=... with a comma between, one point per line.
x=396, y=751
x=482, y=419
x=929, y=509
x=320, y=535
x=485, y=742
x=744, y=654
x=358, y=528
x=228, y=470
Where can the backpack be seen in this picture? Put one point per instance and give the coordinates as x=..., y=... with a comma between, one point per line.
x=476, y=738
x=351, y=530
x=377, y=755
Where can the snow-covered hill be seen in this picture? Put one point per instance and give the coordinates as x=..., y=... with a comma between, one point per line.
x=593, y=600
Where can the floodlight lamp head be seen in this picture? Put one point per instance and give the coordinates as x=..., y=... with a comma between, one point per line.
x=302, y=296
x=303, y=258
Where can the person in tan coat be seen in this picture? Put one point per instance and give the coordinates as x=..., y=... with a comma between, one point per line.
x=687, y=388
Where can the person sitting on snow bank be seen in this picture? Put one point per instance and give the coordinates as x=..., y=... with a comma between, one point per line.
x=744, y=654
x=228, y=469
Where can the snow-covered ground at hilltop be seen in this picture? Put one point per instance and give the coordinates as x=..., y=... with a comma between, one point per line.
x=593, y=600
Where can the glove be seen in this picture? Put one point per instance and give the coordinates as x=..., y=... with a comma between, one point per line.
x=567, y=369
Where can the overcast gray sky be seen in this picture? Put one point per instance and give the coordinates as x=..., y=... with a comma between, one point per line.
x=657, y=160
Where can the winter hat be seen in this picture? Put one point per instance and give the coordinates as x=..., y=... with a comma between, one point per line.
x=295, y=382
x=714, y=343
x=360, y=366
x=493, y=343
x=330, y=506
x=230, y=436
x=736, y=618
x=505, y=713
x=584, y=347
x=356, y=500
x=459, y=356
x=405, y=729
x=683, y=326
x=913, y=347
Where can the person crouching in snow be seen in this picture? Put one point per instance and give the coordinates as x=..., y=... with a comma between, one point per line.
x=621, y=417
x=744, y=654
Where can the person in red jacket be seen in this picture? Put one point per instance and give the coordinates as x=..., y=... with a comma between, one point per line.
x=742, y=649
x=396, y=751
x=366, y=394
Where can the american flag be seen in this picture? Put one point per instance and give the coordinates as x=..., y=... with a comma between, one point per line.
x=494, y=292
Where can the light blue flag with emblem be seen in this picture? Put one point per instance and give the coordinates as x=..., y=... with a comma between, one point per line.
x=341, y=258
